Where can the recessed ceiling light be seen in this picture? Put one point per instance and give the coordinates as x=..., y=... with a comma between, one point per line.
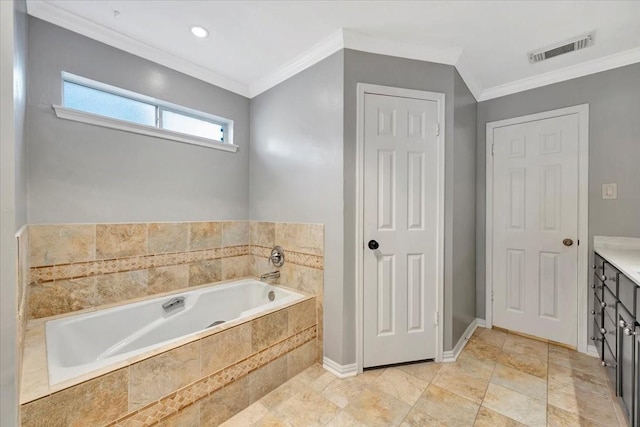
x=199, y=31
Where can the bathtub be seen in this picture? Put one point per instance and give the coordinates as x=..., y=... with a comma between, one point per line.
x=83, y=343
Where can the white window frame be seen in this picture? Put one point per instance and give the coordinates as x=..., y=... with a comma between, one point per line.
x=63, y=112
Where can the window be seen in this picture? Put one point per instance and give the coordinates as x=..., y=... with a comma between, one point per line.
x=96, y=103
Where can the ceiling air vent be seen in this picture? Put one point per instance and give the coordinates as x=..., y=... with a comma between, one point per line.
x=561, y=48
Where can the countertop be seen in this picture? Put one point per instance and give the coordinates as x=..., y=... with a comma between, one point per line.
x=622, y=252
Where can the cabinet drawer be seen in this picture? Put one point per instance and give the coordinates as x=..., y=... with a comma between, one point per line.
x=610, y=277
x=626, y=368
x=596, y=339
x=597, y=285
x=609, y=330
x=627, y=293
x=598, y=264
x=609, y=303
x=611, y=366
x=597, y=311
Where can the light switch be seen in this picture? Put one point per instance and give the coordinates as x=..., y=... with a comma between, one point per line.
x=610, y=191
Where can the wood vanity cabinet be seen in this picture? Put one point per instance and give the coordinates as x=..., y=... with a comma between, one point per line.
x=616, y=333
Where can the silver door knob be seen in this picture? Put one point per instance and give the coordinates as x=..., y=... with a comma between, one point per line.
x=567, y=242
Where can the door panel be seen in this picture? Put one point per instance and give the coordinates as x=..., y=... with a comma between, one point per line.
x=400, y=213
x=535, y=207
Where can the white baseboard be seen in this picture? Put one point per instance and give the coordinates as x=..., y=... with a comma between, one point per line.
x=481, y=323
x=592, y=351
x=340, y=371
x=452, y=355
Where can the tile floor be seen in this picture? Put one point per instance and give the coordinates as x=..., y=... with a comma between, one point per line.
x=499, y=379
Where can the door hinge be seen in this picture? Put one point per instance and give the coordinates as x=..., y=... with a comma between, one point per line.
x=435, y=318
x=492, y=296
x=492, y=149
x=437, y=129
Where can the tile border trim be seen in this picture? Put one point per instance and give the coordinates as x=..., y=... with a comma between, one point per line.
x=298, y=258
x=180, y=399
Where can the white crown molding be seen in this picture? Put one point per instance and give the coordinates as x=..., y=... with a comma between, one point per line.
x=63, y=18
x=610, y=62
x=315, y=54
x=340, y=371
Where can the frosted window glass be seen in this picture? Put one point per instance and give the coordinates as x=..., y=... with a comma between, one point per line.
x=95, y=101
x=190, y=125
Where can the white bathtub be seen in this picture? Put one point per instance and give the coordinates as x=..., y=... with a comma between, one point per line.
x=80, y=344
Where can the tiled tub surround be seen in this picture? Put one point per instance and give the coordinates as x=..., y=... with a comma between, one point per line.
x=222, y=372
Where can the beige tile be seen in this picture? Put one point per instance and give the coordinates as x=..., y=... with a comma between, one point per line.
x=488, y=418
x=584, y=380
x=447, y=407
x=417, y=418
x=260, y=265
x=524, y=363
x=187, y=417
x=343, y=419
x=376, y=408
x=454, y=378
x=168, y=237
x=269, y=420
x=224, y=403
x=307, y=408
x=311, y=374
x=490, y=336
x=61, y=296
x=248, y=417
x=267, y=378
x=522, y=345
x=205, y=235
x=482, y=351
x=235, y=233
x=95, y=402
x=269, y=329
x=581, y=402
x=160, y=375
x=481, y=368
x=61, y=244
x=120, y=240
x=401, y=385
x=574, y=360
x=426, y=371
x=341, y=391
x=166, y=279
x=305, y=238
x=302, y=316
x=306, y=279
x=202, y=272
x=119, y=287
x=235, y=267
x=526, y=384
x=263, y=234
x=225, y=348
x=514, y=405
x=557, y=417
x=34, y=378
x=284, y=392
x=301, y=358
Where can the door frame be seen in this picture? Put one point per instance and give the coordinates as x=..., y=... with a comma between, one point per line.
x=583, y=212
x=439, y=98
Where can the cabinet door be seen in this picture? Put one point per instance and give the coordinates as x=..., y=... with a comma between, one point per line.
x=626, y=368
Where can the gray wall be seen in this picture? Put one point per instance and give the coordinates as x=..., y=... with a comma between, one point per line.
x=411, y=74
x=614, y=149
x=13, y=49
x=83, y=173
x=296, y=169
x=464, y=209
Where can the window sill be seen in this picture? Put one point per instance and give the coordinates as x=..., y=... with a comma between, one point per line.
x=94, y=119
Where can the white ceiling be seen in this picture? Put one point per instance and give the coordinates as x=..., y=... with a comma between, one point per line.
x=254, y=45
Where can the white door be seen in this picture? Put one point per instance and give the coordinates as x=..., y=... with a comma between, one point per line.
x=400, y=214
x=535, y=227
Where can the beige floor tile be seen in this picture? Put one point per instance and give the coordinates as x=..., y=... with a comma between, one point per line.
x=489, y=336
x=249, y=416
x=482, y=351
x=320, y=383
x=474, y=366
x=342, y=391
x=282, y=393
x=557, y=417
x=343, y=419
x=522, y=345
x=401, y=385
x=578, y=378
x=425, y=371
x=307, y=408
x=417, y=418
x=581, y=402
x=375, y=408
x=517, y=406
x=488, y=418
x=524, y=363
x=311, y=374
x=447, y=407
x=574, y=360
x=521, y=382
x=269, y=420
x=456, y=379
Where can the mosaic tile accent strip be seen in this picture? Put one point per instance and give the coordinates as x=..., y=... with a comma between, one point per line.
x=94, y=268
x=298, y=258
x=171, y=404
